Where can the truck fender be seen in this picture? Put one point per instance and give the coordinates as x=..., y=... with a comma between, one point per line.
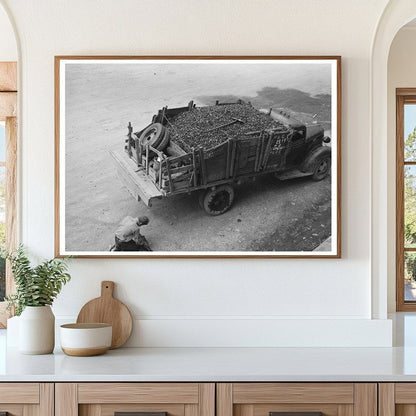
x=310, y=160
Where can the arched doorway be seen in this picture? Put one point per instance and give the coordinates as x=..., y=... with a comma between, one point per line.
x=396, y=15
x=401, y=124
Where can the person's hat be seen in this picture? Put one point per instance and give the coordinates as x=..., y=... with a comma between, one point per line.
x=143, y=220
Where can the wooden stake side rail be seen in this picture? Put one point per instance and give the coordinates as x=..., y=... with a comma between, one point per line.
x=194, y=175
x=142, y=187
x=201, y=169
x=195, y=172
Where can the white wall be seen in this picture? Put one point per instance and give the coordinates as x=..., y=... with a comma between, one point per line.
x=401, y=74
x=200, y=300
x=8, y=47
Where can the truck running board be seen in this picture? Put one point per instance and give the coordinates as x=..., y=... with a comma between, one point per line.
x=291, y=174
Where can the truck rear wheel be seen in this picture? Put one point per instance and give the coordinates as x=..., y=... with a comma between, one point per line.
x=219, y=200
x=322, y=167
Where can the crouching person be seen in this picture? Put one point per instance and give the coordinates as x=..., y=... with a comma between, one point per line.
x=128, y=236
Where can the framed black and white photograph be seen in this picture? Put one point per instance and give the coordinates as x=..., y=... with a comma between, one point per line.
x=198, y=156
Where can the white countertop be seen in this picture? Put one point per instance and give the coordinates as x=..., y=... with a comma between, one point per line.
x=222, y=364
x=215, y=364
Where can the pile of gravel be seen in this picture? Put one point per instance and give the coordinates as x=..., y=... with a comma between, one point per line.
x=193, y=128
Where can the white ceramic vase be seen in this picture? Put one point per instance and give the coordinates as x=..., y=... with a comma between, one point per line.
x=37, y=330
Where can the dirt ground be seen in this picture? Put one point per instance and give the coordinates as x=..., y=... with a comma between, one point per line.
x=267, y=215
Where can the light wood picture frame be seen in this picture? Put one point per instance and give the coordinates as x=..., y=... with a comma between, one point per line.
x=198, y=156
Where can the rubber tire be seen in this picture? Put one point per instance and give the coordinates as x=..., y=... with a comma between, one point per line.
x=152, y=135
x=164, y=142
x=322, y=168
x=219, y=200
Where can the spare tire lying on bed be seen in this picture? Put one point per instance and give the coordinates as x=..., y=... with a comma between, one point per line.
x=153, y=135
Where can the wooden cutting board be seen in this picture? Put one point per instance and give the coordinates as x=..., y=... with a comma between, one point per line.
x=107, y=309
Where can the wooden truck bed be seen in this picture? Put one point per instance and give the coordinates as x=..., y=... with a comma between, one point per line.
x=135, y=179
x=149, y=173
x=158, y=162
x=199, y=169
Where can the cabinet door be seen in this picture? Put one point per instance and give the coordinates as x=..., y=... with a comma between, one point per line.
x=141, y=399
x=26, y=399
x=297, y=399
x=397, y=399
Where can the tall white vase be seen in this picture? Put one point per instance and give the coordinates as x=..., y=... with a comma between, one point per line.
x=37, y=330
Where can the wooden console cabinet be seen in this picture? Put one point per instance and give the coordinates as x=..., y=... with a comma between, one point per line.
x=222, y=399
x=27, y=399
x=208, y=399
x=154, y=399
x=397, y=399
x=297, y=399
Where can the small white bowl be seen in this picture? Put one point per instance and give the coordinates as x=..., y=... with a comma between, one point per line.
x=83, y=340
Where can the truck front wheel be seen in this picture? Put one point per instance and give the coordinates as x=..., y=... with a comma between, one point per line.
x=322, y=167
x=219, y=200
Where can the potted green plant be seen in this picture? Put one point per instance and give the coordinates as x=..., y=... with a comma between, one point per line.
x=36, y=289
